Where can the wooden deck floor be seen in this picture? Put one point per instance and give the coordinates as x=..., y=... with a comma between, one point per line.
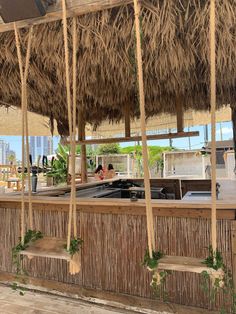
x=35, y=303
x=42, y=303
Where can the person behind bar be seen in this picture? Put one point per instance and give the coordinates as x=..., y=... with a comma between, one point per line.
x=110, y=173
x=99, y=175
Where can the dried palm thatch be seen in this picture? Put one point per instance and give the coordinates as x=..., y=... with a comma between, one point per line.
x=175, y=54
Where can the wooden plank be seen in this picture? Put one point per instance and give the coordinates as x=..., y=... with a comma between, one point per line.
x=81, y=126
x=233, y=229
x=193, y=213
x=127, y=208
x=182, y=263
x=234, y=129
x=74, y=8
x=81, y=137
x=179, y=116
x=233, y=244
x=138, y=138
x=161, y=204
x=84, y=175
x=127, y=121
x=47, y=247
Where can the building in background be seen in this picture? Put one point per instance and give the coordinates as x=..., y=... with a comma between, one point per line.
x=47, y=145
x=40, y=145
x=11, y=156
x=32, y=146
x=4, y=152
x=186, y=164
x=221, y=148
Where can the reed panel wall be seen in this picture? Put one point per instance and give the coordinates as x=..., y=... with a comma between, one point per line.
x=114, y=246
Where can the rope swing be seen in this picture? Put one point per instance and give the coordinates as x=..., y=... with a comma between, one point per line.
x=25, y=131
x=155, y=260
x=149, y=211
x=37, y=245
x=75, y=262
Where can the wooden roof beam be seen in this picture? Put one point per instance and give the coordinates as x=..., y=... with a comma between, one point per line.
x=74, y=8
x=137, y=138
x=180, y=116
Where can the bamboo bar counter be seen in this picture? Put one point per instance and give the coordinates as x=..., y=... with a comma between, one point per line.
x=83, y=62
x=114, y=234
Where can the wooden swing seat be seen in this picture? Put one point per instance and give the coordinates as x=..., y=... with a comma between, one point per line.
x=184, y=264
x=47, y=247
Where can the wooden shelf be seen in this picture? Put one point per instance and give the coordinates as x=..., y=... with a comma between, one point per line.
x=74, y=8
x=136, y=138
x=184, y=264
x=48, y=247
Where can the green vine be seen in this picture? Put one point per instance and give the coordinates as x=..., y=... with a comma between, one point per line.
x=214, y=259
x=221, y=281
x=152, y=262
x=75, y=246
x=158, y=277
x=30, y=236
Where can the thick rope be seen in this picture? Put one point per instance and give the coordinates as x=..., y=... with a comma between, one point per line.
x=75, y=263
x=19, y=55
x=68, y=93
x=213, y=124
x=28, y=169
x=73, y=143
x=27, y=128
x=149, y=212
x=23, y=137
x=24, y=125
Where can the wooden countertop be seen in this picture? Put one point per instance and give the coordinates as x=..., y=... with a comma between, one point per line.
x=61, y=190
x=226, y=206
x=221, y=204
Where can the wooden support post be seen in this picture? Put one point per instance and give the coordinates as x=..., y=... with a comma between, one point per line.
x=81, y=137
x=234, y=133
x=84, y=175
x=127, y=121
x=233, y=242
x=180, y=116
x=80, y=127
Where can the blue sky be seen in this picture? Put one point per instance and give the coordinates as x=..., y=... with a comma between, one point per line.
x=180, y=143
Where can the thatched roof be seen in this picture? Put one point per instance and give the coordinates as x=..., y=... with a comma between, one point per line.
x=10, y=123
x=175, y=55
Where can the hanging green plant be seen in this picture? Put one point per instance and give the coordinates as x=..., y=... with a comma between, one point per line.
x=152, y=262
x=158, y=276
x=75, y=246
x=219, y=278
x=30, y=236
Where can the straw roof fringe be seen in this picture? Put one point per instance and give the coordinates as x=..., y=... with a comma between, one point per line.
x=175, y=55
